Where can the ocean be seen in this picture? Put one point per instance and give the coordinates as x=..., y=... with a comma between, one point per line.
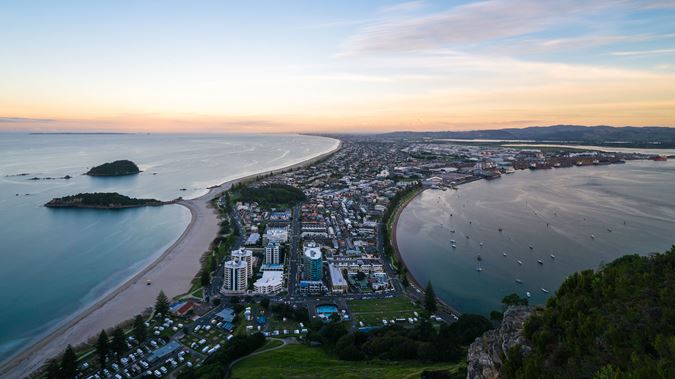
x=583, y=216
x=54, y=262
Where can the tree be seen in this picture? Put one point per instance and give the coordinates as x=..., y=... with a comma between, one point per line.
x=102, y=348
x=118, y=344
x=69, y=363
x=430, y=299
x=162, y=303
x=140, y=333
x=53, y=370
x=514, y=299
x=213, y=263
x=265, y=303
x=360, y=276
x=205, y=278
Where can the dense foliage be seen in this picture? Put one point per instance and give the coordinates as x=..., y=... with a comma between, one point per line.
x=271, y=195
x=423, y=343
x=100, y=199
x=116, y=168
x=217, y=364
x=614, y=323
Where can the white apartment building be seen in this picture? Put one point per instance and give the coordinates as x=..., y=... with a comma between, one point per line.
x=272, y=254
x=244, y=256
x=235, y=280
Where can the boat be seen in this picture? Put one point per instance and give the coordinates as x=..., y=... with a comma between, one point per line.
x=467, y=236
x=592, y=236
x=552, y=256
x=519, y=281
x=478, y=258
x=540, y=262
x=659, y=158
x=556, y=165
x=452, y=231
x=544, y=290
x=479, y=269
x=531, y=248
x=452, y=242
x=528, y=294
x=520, y=262
x=481, y=244
x=504, y=253
x=609, y=230
x=500, y=229
x=454, y=246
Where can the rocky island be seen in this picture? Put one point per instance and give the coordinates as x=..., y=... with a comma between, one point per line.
x=116, y=168
x=103, y=200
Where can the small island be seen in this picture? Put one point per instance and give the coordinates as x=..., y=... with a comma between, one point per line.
x=116, y=168
x=103, y=200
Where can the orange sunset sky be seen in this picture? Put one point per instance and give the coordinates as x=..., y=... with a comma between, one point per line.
x=307, y=66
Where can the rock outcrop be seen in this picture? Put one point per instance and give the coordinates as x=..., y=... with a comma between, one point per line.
x=487, y=353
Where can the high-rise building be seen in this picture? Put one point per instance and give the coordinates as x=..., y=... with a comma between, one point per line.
x=272, y=254
x=312, y=263
x=244, y=256
x=235, y=278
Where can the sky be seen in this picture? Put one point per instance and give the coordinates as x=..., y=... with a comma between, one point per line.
x=334, y=66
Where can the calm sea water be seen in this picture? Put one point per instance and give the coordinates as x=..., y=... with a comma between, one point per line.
x=556, y=211
x=56, y=261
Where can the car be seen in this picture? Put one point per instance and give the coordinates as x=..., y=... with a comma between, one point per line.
x=163, y=369
x=118, y=376
x=115, y=366
x=158, y=374
x=189, y=364
x=145, y=364
x=124, y=361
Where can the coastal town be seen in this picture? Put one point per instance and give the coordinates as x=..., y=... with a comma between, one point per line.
x=308, y=246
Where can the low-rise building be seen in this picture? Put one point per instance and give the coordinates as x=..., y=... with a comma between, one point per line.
x=338, y=284
x=271, y=282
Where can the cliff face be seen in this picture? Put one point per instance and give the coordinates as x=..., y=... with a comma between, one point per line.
x=487, y=353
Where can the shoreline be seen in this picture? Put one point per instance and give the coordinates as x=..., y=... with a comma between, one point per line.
x=172, y=272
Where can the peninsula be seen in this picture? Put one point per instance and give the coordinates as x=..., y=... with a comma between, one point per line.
x=116, y=168
x=101, y=200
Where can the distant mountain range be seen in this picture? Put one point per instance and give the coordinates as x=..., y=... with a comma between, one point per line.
x=655, y=137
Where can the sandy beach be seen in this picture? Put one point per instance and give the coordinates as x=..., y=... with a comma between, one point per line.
x=171, y=272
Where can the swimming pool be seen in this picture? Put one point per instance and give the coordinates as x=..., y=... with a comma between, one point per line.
x=326, y=310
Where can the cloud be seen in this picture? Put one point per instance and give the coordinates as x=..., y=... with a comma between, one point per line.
x=482, y=21
x=643, y=52
x=22, y=120
x=464, y=24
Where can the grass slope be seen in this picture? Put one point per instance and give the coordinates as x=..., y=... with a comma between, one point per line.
x=300, y=361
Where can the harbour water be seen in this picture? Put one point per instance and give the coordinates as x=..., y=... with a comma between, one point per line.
x=573, y=218
x=54, y=262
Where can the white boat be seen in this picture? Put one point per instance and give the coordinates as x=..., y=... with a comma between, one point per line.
x=520, y=262
x=592, y=236
x=528, y=294
x=452, y=241
x=454, y=246
x=519, y=281
x=544, y=290
x=540, y=262
x=479, y=269
x=504, y=253
x=552, y=256
x=481, y=244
